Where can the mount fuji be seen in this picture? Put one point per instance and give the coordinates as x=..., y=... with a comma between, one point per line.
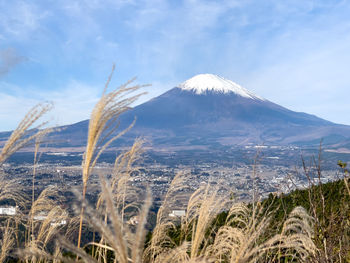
x=211, y=110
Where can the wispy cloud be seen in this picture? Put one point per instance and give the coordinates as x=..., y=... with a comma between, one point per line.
x=272, y=47
x=72, y=103
x=20, y=19
x=9, y=58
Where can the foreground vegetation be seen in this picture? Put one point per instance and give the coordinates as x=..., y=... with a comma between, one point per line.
x=304, y=226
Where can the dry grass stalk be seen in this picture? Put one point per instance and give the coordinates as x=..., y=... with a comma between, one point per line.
x=176, y=255
x=121, y=179
x=7, y=241
x=346, y=173
x=242, y=240
x=123, y=169
x=122, y=235
x=160, y=243
x=126, y=245
x=72, y=227
x=46, y=220
x=17, y=139
x=102, y=125
x=204, y=205
x=38, y=141
x=126, y=197
x=57, y=257
x=9, y=191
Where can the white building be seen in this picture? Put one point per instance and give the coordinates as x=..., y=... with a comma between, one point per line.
x=59, y=223
x=177, y=213
x=8, y=211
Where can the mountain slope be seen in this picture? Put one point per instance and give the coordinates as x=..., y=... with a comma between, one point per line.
x=208, y=109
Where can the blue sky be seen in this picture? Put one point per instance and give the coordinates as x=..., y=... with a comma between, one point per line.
x=295, y=53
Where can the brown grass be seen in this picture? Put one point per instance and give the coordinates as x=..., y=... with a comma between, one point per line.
x=7, y=240
x=44, y=221
x=20, y=137
x=102, y=125
x=241, y=239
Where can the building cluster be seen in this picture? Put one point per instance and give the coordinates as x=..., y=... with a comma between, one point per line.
x=275, y=169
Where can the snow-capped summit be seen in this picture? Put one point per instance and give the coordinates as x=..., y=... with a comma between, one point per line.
x=209, y=82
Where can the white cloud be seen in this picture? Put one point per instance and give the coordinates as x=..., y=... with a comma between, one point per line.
x=13, y=109
x=72, y=103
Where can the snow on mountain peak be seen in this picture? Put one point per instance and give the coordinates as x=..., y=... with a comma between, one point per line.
x=208, y=82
